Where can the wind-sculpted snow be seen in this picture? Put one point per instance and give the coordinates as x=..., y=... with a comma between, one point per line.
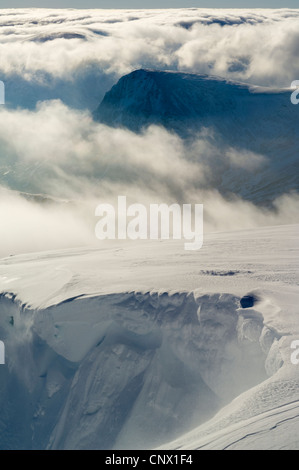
x=165, y=348
x=138, y=344
x=125, y=370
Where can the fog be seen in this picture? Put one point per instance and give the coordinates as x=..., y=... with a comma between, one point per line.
x=77, y=56
x=57, y=65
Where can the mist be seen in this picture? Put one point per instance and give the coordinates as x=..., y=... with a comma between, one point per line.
x=76, y=56
x=57, y=164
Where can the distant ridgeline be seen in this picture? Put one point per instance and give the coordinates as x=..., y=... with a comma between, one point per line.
x=257, y=122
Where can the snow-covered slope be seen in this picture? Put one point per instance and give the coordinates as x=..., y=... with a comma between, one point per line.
x=135, y=345
x=183, y=100
x=238, y=116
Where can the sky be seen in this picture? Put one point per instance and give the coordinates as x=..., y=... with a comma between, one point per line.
x=149, y=3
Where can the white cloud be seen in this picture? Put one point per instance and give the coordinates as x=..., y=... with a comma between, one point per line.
x=246, y=159
x=258, y=46
x=61, y=152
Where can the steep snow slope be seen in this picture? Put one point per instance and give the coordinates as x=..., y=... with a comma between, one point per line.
x=240, y=116
x=177, y=99
x=134, y=345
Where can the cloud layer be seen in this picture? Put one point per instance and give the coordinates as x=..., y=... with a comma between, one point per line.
x=259, y=46
x=57, y=65
x=71, y=164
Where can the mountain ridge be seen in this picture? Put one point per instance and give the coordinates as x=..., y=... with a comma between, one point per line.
x=147, y=96
x=239, y=116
